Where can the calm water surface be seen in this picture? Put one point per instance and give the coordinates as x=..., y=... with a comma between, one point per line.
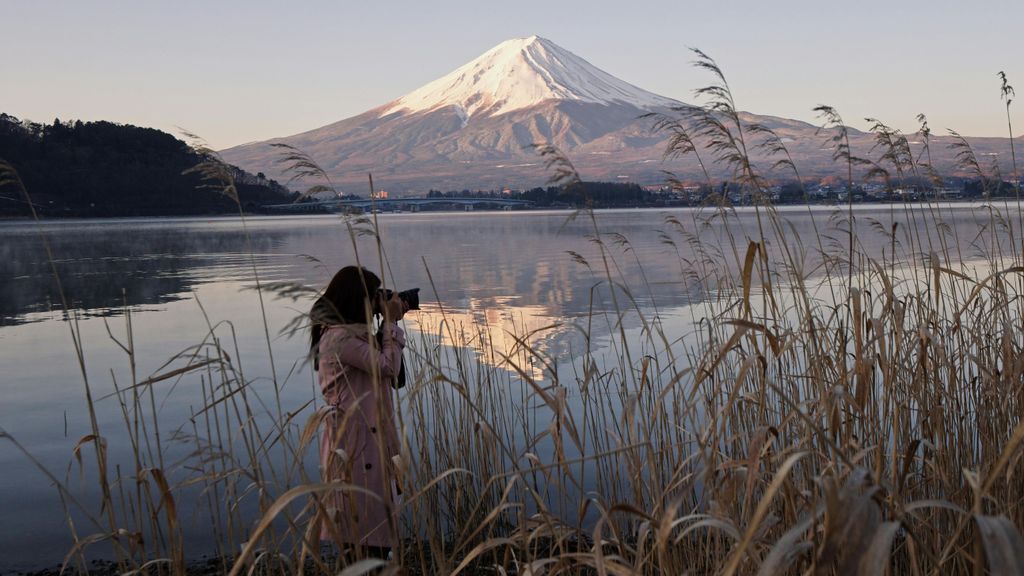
x=500, y=271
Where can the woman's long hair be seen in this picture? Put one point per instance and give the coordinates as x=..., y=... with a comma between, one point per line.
x=346, y=301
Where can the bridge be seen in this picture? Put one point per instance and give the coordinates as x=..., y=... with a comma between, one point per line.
x=385, y=204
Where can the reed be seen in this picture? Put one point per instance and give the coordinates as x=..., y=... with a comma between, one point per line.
x=831, y=411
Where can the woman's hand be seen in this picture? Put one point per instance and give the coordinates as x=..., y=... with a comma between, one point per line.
x=393, y=308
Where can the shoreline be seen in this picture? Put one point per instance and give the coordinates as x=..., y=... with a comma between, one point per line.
x=815, y=207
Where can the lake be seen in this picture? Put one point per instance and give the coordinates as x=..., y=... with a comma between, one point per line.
x=492, y=274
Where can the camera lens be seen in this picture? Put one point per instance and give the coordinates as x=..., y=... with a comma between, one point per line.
x=411, y=297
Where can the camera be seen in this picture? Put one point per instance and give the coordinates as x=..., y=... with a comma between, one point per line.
x=411, y=297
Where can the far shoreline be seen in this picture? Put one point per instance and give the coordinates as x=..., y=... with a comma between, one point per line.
x=742, y=209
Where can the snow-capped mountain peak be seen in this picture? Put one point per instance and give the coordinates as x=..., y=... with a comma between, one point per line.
x=474, y=130
x=520, y=73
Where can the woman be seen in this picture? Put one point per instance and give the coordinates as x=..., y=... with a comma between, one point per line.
x=356, y=369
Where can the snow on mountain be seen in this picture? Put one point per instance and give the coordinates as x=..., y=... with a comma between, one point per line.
x=520, y=73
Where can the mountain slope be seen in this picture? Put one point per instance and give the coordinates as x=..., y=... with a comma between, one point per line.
x=473, y=129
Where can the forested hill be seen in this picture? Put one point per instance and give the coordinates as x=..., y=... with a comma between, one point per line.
x=91, y=169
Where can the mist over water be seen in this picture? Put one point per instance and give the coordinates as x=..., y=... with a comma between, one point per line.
x=496, y=273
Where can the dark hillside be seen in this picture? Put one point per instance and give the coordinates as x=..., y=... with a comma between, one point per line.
x=91, y=169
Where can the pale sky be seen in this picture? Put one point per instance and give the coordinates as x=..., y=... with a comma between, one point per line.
x=240, y=71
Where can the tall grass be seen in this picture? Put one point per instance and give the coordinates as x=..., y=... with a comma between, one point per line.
x=830, y=410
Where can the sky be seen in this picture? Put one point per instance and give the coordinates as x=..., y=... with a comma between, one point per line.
x=243, y=71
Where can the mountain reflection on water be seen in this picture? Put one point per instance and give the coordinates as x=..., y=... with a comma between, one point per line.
x=501, y=276
x=511, y=259
x=509, y=273
x=500, y=332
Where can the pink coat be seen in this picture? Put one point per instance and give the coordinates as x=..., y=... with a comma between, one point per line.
x=360, y=438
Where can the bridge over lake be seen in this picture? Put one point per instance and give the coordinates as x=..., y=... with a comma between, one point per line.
x=412, y=204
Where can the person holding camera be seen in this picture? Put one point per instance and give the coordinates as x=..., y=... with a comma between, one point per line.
x=359, y=443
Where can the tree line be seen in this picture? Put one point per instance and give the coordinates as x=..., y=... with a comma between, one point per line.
x=95, y=169
x=595, y=194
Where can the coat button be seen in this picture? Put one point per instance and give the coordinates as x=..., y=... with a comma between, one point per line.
x=368, y=466
x=373, y=429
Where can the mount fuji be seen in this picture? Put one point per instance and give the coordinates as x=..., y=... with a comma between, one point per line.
x=472, y=129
